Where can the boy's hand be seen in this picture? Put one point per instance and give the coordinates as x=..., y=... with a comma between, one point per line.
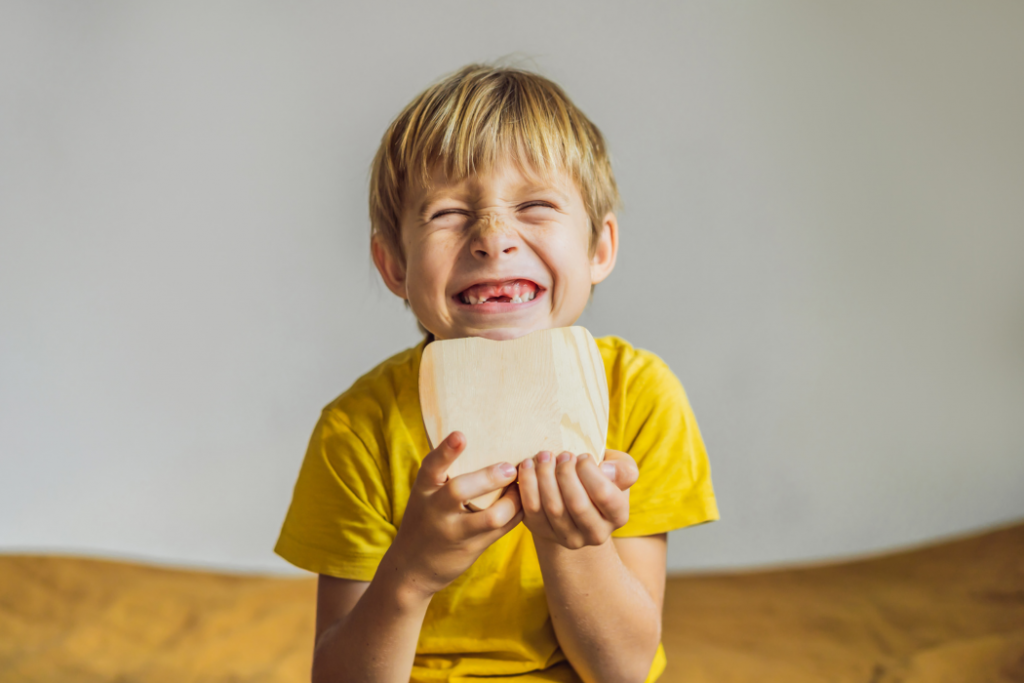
x=439, y=537
x=571, y=501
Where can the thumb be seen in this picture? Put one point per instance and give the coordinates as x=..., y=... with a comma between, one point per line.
x=434, y=469
x=620, y=468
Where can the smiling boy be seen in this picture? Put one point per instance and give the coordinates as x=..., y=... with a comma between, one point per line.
x=491, y=205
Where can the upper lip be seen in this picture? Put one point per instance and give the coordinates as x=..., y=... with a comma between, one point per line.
x=499, y=281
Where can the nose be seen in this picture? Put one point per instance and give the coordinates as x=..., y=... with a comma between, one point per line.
x=492, y=238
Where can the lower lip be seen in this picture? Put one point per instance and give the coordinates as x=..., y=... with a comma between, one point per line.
x=498, y=306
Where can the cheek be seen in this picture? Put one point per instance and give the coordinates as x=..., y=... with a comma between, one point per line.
x=424, y=280
x=429, y=265
x=572, y=274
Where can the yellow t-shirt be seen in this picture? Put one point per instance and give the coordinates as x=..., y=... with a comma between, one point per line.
x=493, y=620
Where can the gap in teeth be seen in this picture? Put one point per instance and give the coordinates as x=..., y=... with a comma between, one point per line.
x=518, y=299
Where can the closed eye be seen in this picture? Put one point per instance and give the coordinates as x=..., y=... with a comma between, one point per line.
x=446, y=212
x=531, y=205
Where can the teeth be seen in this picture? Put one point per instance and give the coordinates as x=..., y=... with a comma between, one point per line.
x=516, y=298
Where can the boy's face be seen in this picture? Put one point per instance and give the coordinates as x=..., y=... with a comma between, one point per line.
x=498, y=255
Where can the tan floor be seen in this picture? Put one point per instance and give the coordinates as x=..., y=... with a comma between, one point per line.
x=950, y=613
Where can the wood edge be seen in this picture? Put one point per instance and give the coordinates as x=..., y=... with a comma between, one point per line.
x=602, y=387
x=601, y=381
x=427, y=391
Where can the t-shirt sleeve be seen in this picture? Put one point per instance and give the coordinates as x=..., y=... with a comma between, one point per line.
x=660, y=432
x=340, y=519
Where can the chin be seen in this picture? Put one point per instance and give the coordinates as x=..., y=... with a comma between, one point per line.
x=504, y=333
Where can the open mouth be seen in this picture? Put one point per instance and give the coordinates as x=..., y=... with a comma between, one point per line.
x=507, y=292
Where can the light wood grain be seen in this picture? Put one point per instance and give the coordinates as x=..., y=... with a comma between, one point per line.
x=545, y=391
x=951, y=613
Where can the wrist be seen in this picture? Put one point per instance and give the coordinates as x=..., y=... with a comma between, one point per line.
x=408, y=585
x=552, y=549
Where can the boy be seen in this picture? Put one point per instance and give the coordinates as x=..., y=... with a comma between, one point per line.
x=491, y=205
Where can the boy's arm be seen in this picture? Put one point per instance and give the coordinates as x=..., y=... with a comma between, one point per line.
x=577, y=584
x=368, y=631
x=604, y=595
x=605, y=603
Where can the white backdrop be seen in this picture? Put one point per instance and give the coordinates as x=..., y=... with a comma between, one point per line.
x=823, y=236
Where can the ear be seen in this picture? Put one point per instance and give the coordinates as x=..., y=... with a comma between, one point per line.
x=606, y=249
x=390, y=267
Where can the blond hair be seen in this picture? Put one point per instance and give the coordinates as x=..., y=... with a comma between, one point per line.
x=475, y=117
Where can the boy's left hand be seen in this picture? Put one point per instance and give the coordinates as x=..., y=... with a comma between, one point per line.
x=571, y=501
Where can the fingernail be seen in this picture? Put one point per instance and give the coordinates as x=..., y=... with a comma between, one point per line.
x=507, y=469
x=584, y=456
x=528, y=464
x=608, y=469
x=563, y=457
x=543, y=456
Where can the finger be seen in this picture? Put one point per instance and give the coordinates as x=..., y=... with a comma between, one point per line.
x=497, y=516
x=512, y=494
x=434, y=469
x=620, y=468
x=551, y=500
x=612, y=503
x=468, y=486
x=528, y=490
x=533, y=510
x=498, y=533
x=513, y=523
x=588, y=520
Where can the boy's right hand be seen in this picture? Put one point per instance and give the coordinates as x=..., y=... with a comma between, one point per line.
x=439, y=537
